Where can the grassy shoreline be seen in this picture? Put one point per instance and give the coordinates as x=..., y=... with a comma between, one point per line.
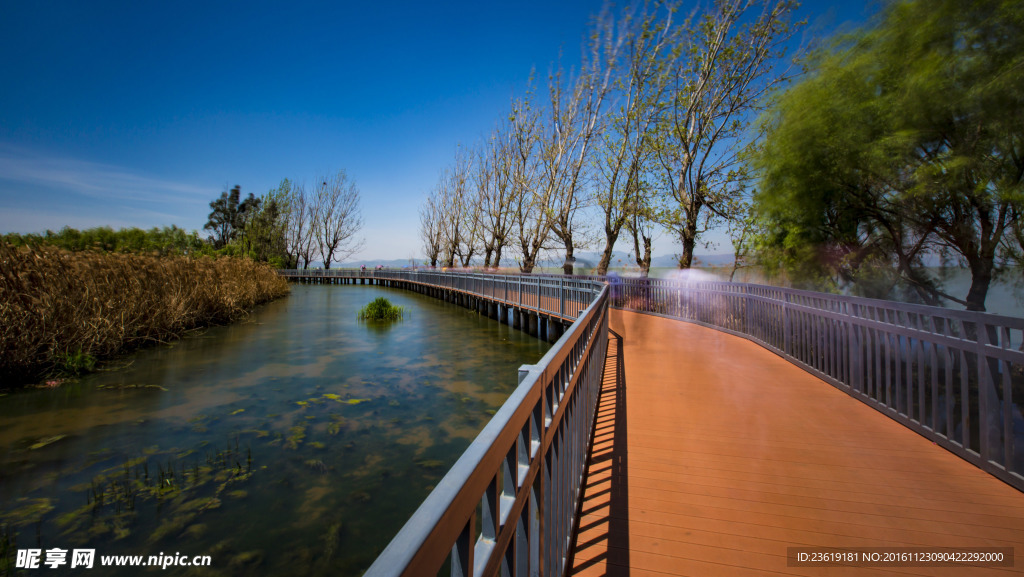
x=61, y=311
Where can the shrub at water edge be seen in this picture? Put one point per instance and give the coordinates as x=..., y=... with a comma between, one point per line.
x=60, y=311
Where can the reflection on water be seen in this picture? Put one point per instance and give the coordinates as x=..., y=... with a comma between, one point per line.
x=298, y=442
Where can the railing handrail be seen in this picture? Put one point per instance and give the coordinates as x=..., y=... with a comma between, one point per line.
x=955, y=377
x=880, y=304
x=441, y=520
x=525, y=468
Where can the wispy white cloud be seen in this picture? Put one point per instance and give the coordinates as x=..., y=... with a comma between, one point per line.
x=38, y=220
x=101, y=182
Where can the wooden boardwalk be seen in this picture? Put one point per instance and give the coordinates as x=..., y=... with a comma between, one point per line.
x=713, y=455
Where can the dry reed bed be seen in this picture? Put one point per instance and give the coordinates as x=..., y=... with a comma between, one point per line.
x=58, y=307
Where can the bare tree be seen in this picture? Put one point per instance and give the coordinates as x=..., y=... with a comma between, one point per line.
x=726, y=63
x=297, y=233
x=492, y=183
x=304, y=212
x=337, y=218
x=530, y=202
x=460, y=231
x=467, y=209
x=431, y=231
x=641, y=226
x=625, y=147
x=573, y=126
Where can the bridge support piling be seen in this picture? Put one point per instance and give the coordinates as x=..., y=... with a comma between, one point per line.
x=517, y=322
x=532, y=321
x=555, y=330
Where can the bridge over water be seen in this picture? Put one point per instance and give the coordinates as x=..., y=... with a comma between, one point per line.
x=711, y=428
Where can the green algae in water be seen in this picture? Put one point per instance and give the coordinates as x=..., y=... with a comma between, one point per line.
x=298, y=507
x=27, y=511
x=45, y=441
x=337, y=423
x=296, y=436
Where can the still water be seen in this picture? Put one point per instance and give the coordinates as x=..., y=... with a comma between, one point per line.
x=296, y=442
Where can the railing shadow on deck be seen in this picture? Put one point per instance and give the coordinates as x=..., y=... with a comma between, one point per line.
x=508, y=506
x=604, y=518
x=955, y=377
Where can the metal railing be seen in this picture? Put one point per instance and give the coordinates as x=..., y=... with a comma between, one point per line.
x=509, y=504
x=565, y=297
x=956, y=377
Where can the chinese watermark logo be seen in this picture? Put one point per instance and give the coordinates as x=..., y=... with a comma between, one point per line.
x=56, y=557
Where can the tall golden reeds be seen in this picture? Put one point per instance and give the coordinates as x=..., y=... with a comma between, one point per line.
x=59, y=308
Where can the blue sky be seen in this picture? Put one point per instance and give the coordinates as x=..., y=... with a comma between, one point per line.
x=139, y=113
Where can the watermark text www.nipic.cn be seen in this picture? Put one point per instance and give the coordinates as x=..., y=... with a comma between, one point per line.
x=86, y=558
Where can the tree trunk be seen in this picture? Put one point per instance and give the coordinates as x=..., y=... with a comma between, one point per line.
x=570, y=260
x=689, y=241
x=981, y=279
x=643, y=262
x=611, y=237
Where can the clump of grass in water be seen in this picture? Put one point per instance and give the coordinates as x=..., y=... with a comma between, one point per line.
x=74, y=364
x=381, y=310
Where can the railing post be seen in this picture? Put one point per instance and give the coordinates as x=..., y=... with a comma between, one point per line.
x=462, y=551
x=785, y=323
x=749, y=312
x=856, y=360
x=538, y=304
x=561, y=297
x=986, y=401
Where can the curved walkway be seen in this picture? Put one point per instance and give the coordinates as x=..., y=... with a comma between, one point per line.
x=713, y=455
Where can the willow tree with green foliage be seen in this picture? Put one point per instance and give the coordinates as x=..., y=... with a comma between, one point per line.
x=727, y=60
x=904, y=142
x=622, y=155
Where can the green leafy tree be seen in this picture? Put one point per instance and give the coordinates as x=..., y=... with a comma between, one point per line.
x=726, y=61
x=264, y=236
x=905, y=141
x=228, y=216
